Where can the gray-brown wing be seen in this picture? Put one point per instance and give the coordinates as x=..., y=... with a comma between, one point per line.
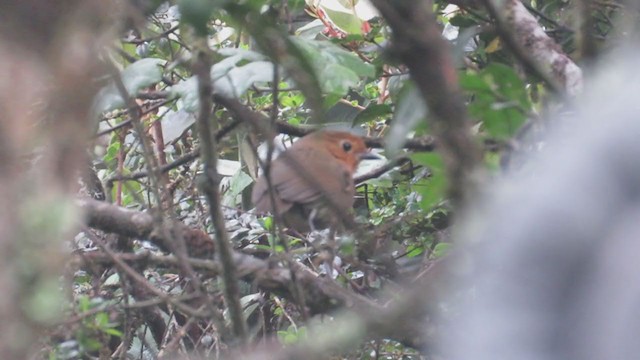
x=291, y=186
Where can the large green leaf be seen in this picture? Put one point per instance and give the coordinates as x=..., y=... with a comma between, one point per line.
x=231, y=76
x=197, y=13
x=337, y=69
x=140, y=74
x=239, y=79
x=499, y=99
x=187, y=92
x=433, y=189
x=175, y=123
x=372, y=112
x=410, y=111
x=347, y=15
x=338, y=79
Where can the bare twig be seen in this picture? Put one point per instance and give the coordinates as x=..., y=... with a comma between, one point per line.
x=211, y=189
x=138, y=278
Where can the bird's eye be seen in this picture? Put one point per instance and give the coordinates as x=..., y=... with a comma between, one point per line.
x=346, y=146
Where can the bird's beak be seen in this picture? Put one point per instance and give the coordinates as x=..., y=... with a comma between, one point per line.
x=370, y=156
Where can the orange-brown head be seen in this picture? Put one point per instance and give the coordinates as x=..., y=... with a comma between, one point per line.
x=315, y=172
x=345, y=147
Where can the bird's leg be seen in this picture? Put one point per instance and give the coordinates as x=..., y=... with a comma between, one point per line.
x=312, y=216
x=331, y=247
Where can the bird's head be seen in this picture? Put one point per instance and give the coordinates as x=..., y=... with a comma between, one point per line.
x=345, y=147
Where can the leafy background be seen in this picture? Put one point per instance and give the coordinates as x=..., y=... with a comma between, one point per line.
x=277, y=70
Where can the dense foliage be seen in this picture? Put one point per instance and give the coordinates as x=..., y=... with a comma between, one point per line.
x=158, y=282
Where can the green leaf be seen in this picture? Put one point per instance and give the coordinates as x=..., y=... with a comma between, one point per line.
x=101, y=319
x=500, y=100
x=197, y=13
x=229, y=77
x=462, y=21
x=336, y=68
x=113, y=332
x=175, y=123
x=338, y=79
x=187, y=91
x=410, y=111
x=232, y=58
x=112, y=151
x=413, y=251
x=45, y=302
x=345, y=21
x=310, y=30
x=92, y=344
x=239, y=79
x=343, y=113
x=433, y=189
x=441, y=249
x=372, y=112
x=140, y=74
x=348, y=15
x=237, y=183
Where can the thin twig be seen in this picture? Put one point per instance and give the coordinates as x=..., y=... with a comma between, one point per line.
x=211, y=189
x=157, y=183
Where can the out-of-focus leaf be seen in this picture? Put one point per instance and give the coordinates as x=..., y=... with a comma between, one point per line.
x=342, y=112
x=396, y=84
x=112, y=280
x=228, y=167
x=219, y=37
x=372, y=112
x=410, y=111
x=500, y=99
x=239, y=79
x=239, y=182
x=474, y=83
x=106, y=99
x=197, y=13
x=464, y=43
x=228, y=77
x=140, y=74
x=493, y=46
x=187, y=91
x=432, y=190
x=175, y=123
x=231, y=59
x=462, y=21
x=345, y=21
x=336, y=69
x=413, y=251
x=441, y=249
x=338, y=79
x=44, y=304
x=348, y=16
x=248, y=156
x=310, y=30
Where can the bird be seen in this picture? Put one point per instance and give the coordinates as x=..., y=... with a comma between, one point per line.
x=312, y=181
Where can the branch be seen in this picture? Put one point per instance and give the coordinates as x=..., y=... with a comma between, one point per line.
x=211, y=188
x=397, y=322
x=418, y=43
x=531, y=45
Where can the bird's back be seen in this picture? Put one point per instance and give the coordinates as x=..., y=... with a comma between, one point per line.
x=305, y=175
